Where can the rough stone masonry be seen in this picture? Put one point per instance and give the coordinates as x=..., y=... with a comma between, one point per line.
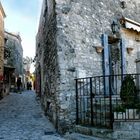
x=68, y=35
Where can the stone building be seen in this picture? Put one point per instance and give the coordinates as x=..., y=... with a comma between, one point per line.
x=73, y=41
x=13, y=63
x=27, y=62
x=2, y=16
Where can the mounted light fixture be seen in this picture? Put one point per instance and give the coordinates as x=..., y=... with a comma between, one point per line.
x=123, y=4
x=114, y=27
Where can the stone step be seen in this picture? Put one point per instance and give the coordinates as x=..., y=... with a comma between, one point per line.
x=128, y=132
x=92, y=131
x=78, y=136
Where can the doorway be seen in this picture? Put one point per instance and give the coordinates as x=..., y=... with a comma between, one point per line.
x=114, y=62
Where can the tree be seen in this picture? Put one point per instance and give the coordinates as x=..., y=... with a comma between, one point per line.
x=27, y=61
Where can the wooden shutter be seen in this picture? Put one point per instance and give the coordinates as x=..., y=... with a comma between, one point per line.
x=106, y=70
x=123, y=56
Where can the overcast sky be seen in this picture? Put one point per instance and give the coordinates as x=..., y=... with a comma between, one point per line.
x=23, y=16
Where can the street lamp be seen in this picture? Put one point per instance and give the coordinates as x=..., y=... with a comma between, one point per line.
x=114, y=27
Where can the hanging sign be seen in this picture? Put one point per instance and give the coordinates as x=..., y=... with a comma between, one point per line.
x=1, y=78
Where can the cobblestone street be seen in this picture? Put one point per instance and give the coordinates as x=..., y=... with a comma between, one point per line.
x=21, y=118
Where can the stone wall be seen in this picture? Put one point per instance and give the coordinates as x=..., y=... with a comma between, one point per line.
x=132, y=57
x=16, y=52
x=126, y=130
x=71, y=32
x=46, y=55
x=13, y=61
x=80, y=25
x=2, y=16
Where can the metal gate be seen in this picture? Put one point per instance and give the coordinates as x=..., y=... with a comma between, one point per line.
x=94, y=107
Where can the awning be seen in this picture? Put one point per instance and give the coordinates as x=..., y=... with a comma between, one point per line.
x=130, y=24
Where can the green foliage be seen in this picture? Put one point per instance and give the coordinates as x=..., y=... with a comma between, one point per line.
x=119, y=108
x=128, y=92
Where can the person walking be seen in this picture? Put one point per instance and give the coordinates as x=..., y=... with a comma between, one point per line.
x=19, y=83
x=30, y=85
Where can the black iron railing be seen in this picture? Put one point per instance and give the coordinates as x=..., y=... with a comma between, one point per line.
x=101, y=100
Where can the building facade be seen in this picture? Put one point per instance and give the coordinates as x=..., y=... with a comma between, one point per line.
x=2, y=16
x=73, y=41
x=13, y=63
x=27, y=62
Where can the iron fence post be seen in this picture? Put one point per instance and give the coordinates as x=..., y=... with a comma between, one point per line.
x=91, y=100
x=110, y=98
x=77, y=111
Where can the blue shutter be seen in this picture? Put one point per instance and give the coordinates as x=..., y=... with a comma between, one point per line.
x=106, y=70
x=123, y=56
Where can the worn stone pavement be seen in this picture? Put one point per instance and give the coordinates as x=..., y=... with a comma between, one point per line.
x=21, y=118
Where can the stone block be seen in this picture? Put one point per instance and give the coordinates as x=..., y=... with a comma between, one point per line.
x=136, y=126
x=126, y=134
x=124, y=126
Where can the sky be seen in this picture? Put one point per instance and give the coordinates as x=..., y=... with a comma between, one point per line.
x=22, y=16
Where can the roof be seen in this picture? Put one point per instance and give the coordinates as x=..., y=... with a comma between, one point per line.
x=17, y=35
x=130, y=24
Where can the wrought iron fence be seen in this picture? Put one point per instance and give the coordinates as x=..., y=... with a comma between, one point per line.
x=101, y=100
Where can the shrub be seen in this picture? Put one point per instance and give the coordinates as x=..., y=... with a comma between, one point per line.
x=128, y=92
x=119, y=108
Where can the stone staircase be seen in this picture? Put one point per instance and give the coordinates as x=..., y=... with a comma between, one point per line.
x=121, y=131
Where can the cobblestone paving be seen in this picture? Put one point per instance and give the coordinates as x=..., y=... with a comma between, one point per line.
x=21, y=118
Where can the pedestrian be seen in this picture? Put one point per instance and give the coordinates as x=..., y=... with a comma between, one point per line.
x=19, y=83
x=27, y=85
x=30, y=85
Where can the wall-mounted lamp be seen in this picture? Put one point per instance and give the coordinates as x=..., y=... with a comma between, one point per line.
x=123, y=4
x=114, y=27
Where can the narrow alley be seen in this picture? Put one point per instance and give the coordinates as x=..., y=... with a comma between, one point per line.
x=21, y=118
x=77, y=63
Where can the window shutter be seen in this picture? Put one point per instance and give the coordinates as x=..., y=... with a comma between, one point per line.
x=123, y=56
x=106, y=70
